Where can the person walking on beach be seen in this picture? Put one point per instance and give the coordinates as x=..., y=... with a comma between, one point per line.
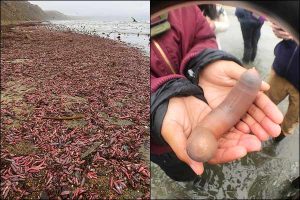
x=284, y=79
x=250, y=25
x=190, y=76
x=216, y=17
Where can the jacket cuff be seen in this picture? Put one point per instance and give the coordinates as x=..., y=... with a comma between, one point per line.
x=160, y=100
x=207, y=56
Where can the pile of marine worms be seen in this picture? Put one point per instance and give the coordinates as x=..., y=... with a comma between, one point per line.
x=74, y=116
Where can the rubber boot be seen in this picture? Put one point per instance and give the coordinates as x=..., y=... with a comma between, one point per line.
x=279, y=138
x=296, y=183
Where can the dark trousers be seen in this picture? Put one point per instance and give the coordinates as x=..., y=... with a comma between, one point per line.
x=173, y=167
x=296, y=183
x=251, y=35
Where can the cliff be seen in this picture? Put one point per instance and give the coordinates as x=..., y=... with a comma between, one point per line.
x=16, y=11
x=55, y=15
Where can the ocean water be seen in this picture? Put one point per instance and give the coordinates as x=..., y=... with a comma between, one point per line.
x=136, y=34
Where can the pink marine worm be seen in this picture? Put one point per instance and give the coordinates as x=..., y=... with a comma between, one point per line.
x=202, y=142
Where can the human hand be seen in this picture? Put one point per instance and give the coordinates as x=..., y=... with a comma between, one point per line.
x=280, y=33
x=263, y=117
x=182, y=117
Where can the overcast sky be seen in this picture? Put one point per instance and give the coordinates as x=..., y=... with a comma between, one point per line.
x=98, y=8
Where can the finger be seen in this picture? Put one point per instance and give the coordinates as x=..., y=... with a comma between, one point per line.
x=174, y=136
x=256, y=128
x=268, y=108
x=228, y=155
x=282, y=32
x=243, y=127
x=231, y=135
x=283, y=36
x=224, y=143
x=264, y=86
x=235, y=72
x=250, y=142
x=275, y=26
x=179, y=148
x=268, y=125
x=238, y=138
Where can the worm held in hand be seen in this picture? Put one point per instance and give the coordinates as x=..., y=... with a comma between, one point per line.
x=202, y=142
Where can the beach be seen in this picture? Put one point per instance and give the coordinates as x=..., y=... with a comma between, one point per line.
x=134, y=33
x=74, y=115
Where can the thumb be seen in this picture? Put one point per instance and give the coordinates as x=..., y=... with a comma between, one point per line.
x=197, y=167
x=235, y=71
x=175, y=137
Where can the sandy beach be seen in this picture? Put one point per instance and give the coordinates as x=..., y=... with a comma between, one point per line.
x=74, y=115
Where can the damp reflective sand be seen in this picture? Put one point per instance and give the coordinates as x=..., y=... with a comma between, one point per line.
x=261, y=175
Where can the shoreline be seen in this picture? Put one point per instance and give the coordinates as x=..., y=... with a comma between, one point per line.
x=57, y=73
x=57, y=27
x=113, y=35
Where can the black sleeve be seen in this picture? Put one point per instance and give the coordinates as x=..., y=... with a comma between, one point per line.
x=196, y=64
x=160, y=100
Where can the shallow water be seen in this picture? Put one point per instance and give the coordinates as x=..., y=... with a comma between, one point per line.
x=261, y=175
x=136, y=34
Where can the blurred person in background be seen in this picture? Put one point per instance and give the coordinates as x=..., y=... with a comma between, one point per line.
x=284, y=79
x=216, y=17
x=250, y=25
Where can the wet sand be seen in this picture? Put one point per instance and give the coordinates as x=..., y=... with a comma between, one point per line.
x=48, y=77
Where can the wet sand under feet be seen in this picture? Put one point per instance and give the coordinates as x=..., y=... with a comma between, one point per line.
x=102, y=84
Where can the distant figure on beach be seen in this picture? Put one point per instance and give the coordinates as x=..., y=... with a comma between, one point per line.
x=284, y=79
x=190, y=77
x=250, y=25
x=133, y=19
x=216, y=17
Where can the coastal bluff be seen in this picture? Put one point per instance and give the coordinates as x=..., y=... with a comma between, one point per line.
x=22, y=11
